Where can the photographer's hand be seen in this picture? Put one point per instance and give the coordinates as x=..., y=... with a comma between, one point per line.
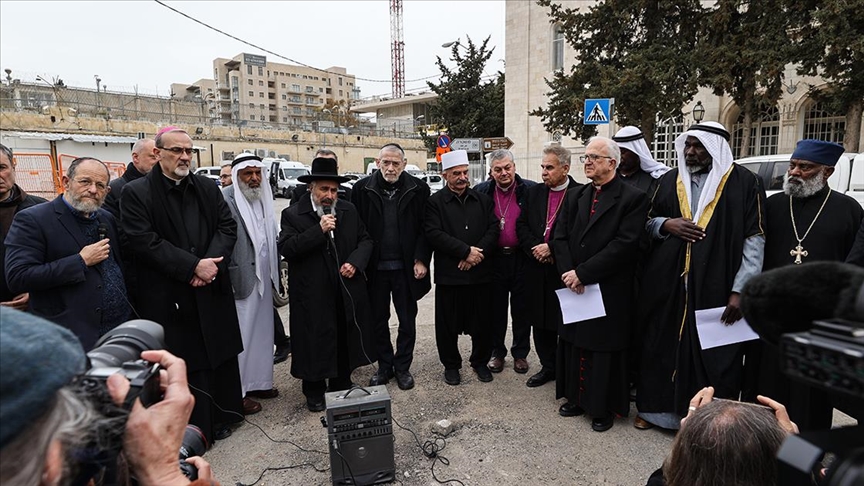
x=203, y=467
x=154, y=435
x=780, y=412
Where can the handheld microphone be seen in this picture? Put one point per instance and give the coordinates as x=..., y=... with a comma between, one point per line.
x=103, y=231
x=328, y=210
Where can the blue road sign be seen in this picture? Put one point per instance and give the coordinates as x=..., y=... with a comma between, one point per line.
x=598, y=111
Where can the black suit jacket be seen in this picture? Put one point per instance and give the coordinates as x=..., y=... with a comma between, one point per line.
x=42, y=258
x=603, y=249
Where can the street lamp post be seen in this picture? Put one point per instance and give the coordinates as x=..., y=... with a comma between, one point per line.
x=698, y=112
x=98, y=80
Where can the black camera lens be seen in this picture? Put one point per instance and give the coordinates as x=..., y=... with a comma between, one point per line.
x=194, y=442
x=125, y=343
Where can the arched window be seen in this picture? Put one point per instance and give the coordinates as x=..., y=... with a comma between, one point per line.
x=822, y=124
x=665, y=134
x=557, y=48
x=764, y=132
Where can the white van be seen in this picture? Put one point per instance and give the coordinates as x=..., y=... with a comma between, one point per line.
x=283, y=175
x=410, y=168
x=848, y=176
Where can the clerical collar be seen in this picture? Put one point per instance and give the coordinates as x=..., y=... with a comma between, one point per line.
x=561, y=187
x=604, y=184
x=176, y=183
x=506, y=189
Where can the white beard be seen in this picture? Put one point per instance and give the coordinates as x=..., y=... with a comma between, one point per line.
x=181, y=172
x=250, y=193
x=805, y=188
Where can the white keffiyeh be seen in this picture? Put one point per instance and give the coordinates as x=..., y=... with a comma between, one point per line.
x=714, y=138
x=243, y=161
x=632, y=139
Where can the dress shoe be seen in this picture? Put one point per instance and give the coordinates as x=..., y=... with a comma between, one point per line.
x=483, y=373
x=602, y=424
x=250, y=407
x=315, y=404
x=541, y=378
x=642, y=424
x=381, y=377
x=222, y=433
x=404, y=380
x=452, y=377
x=282, y=353
x=520, y=365
x=496, y=364
x=271, y=393
x=570, y=410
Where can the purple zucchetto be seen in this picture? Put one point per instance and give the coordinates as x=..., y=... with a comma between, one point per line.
x=818, y=152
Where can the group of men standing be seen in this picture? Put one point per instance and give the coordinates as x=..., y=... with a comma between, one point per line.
x=662, y=244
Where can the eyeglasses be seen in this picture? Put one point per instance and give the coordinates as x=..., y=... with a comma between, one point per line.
x=592, y=158
x=224, y=176
x=100, y=186
x=180, y=150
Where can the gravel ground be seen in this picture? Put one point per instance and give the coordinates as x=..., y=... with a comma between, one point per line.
x=504, y=433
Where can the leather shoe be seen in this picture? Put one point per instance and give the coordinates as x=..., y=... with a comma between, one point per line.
x=381, y=377
x=541, y=378
x=570, y=410
x=496, y=364
x=250, y=407
x=520, y=365
x=222, y=433
x=315, y=404
x=642, y=424
x=602, y=424
x=282, y=353
x=271, y=393
x=452, y=377
x=404, y=380
x=483, y=373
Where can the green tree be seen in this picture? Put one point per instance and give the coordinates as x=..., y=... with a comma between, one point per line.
x=829, y=42
x=743, y=52
x=467, y=106
x=639, y=52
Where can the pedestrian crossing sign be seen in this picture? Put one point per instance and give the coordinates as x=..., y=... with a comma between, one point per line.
x=598, y=111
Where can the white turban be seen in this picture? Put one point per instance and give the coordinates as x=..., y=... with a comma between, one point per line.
x=632, y=139
x=249, y=218
x=454, y=159
x=715, y=139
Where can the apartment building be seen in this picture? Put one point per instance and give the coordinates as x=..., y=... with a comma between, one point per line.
x=251, y=89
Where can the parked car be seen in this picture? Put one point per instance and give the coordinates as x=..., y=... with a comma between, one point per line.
x=284, y=174
x=848, y=176
x=434, y=180
x=210, y=173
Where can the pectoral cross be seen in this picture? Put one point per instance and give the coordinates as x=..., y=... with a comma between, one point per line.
x=798, y=252
x=502, y=223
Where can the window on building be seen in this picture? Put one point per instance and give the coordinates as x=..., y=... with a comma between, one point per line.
x=251, y=93
x=262, y=118
x=261, y=106
x=284, y=108
x=310, y=89
x=284, y=119
x=298, y=110
x=260, y=83
x=248, y=69
x=283, y=85
x=252, y=117
x=320, y=90
x=764, y=132
x=340, y=93
x=663, y=145
x=260, y=94
x=557, y=47
x=260, y=71
x=252, y=105
x=249, y=81
x=284, y=97
x=340, y=81
x=295, y=88
x=822, y=124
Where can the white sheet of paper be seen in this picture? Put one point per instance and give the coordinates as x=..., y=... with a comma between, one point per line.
x=577, y=308
x=714, y=333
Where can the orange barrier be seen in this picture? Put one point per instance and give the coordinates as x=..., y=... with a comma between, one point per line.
x=35, y=174
x=115, y=168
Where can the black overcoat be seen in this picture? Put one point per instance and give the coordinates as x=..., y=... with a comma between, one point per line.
x=453, y=226
x=541, y=279
x=200, y=323
x=603, y=249
x=366, y=196
x=313, y=280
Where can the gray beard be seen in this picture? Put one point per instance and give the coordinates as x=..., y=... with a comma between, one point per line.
x=250, y=193
x=84, y=206
x=806, y=188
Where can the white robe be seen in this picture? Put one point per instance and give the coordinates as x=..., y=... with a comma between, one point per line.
x=255, y=314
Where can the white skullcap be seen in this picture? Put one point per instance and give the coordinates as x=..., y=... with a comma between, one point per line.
x=454, y=159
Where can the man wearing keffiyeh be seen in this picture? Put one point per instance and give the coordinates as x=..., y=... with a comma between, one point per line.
x=706, y=220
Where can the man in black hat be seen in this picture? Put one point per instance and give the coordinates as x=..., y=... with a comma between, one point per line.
x=327, y=249
x=807, y=222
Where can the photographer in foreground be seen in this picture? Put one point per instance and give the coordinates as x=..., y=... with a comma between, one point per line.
x=52, y=433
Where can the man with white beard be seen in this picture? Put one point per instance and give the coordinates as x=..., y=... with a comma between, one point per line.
x=807, y=222
x=254, y=272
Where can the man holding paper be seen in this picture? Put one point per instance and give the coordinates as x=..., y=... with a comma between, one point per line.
x=706, y=220
x=597, y=242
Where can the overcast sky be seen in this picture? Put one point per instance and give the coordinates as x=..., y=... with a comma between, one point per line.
x=142, y=43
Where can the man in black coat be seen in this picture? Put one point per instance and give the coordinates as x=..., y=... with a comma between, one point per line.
x=535, y=227
x=301, y=189
x=327, y=249
x=507, y=190
x=66, y=254
x=12, y=199
x=597, y=242
x=143, y=160
x=392, y=203
x=181, y=234
x=462, y=231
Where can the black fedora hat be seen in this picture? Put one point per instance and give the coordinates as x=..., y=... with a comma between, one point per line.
x=323, y=169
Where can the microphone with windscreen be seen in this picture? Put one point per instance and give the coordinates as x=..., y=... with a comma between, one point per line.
x=328, y=210
x=103, y=231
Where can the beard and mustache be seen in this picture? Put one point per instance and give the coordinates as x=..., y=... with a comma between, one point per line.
x=798, y=187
